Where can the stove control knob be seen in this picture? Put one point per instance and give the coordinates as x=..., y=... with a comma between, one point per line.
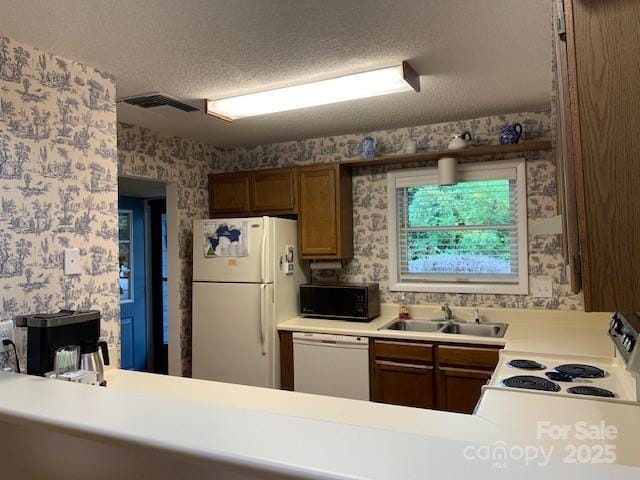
x=616, y=323
x=628, y=342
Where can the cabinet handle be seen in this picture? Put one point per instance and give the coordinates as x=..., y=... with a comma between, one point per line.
x=400, y=364
x=408, y=344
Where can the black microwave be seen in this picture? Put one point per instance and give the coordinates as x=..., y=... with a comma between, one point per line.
x=356, y=302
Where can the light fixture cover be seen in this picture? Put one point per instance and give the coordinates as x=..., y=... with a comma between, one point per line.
x=373, y=83
x=447, y=167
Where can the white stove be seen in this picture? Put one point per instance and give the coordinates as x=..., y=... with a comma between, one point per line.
x=588, y=377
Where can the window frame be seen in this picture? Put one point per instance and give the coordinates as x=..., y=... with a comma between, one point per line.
x=129, y=213
x=483, y=169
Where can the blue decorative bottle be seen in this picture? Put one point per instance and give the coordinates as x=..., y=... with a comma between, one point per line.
x=368, y=147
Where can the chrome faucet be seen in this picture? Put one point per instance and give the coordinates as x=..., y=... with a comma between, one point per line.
x=448, y=314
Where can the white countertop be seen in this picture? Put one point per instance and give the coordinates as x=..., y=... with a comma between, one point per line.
x=539, y=331
x=309, y=436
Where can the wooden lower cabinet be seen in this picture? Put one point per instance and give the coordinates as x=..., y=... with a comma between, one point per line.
x=402, y=373
x=427, y=375
x=419, y=374
x=405, y=384
x=459, y=389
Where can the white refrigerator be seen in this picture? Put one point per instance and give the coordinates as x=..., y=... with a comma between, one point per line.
x=242, y=289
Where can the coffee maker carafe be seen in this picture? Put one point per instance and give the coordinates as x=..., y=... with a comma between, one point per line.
x=94, y=358
x=47, y=332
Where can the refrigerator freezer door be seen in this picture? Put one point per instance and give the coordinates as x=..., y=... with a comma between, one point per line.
x=254, y=268
x=231, y=339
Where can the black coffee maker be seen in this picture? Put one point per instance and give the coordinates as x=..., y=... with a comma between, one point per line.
x=47, y=332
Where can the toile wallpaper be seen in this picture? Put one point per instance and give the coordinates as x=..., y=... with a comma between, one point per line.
x=149, y=155
x=58, y=185
x=59, y=164
x=370, y=262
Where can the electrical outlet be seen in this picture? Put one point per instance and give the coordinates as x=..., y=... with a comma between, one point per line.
x=542, y=287
x=6, y=331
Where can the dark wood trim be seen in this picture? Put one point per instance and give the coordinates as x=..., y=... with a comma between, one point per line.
x=160, y=354
x=566, y=174
x=576, y=136
x=286, y=360
x=461, y=154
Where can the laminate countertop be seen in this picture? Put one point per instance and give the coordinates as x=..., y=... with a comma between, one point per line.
x=535, y=331
x=233, y=431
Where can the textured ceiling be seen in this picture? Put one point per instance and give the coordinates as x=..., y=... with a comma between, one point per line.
x=476, y=57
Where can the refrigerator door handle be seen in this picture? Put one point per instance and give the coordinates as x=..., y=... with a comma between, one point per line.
x=263, y=253
x=263, y=301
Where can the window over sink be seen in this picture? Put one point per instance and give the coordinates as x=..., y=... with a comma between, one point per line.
x=470, y=237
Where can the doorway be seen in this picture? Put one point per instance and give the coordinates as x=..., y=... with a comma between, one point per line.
x=143, y=275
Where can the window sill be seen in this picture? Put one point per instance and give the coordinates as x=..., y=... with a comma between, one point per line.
x=486, y=288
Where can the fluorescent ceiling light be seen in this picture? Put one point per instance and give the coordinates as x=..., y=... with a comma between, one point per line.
x=400, y=78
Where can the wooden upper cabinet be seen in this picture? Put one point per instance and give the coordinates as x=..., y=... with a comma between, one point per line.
x=253, y=193
x=274, y=191
x=228, y=194
x=320, y=196
x=603, y=77
x=325, y=224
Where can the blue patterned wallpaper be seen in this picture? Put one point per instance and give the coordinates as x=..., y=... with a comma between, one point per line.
x=146, y=154
x=370, y=262
x=58, y=185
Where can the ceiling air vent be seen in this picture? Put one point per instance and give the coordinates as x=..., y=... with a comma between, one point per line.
x=151, y=100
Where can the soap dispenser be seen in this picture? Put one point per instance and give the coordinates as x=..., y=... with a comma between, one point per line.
x=403, y=310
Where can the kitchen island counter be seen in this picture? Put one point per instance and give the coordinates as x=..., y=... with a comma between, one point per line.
x=166, y=427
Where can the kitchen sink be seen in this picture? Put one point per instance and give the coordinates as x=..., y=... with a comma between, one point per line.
x=415, y=325
x=452, y=327
x=476, y=329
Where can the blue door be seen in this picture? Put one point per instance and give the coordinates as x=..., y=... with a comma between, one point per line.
x=133, y=320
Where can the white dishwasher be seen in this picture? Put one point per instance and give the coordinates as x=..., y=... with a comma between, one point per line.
x=335, y=365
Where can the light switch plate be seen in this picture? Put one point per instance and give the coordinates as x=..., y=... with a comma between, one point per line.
x=541, y=287
x=72, y=261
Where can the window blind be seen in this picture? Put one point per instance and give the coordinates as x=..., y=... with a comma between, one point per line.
x=466, y=232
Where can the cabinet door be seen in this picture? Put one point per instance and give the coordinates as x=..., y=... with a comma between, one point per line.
x=274, y=191
x=228, y=194
x=318, y=221
x=459, y=389
x=407, y=384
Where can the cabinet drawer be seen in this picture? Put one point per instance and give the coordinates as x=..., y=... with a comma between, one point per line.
x=399, y=350
x=477, y=357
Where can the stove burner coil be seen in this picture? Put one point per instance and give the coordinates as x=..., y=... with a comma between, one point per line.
x=591, y=391
x=531, y=383
x=581, y=371
x=526, y=364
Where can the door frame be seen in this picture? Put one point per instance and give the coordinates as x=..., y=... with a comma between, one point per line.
x=173, y=259
x=154, y=208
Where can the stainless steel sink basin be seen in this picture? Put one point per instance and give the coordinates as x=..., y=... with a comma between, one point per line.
x=415, y=325
x=476, y=329
x=452, y=327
